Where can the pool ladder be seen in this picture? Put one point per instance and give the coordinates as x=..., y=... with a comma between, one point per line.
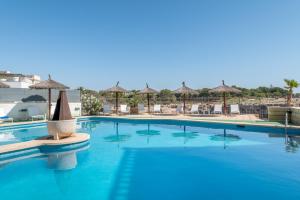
x=286, y=124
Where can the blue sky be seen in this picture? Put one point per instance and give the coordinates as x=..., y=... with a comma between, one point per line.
x=162, y=42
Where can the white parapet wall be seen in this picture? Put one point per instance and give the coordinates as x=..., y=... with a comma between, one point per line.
x=18, y=110
x=296, y=116
x=278, y=114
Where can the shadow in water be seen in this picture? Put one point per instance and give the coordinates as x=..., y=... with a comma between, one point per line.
x=117, y=137
x=225, y=138
x=292, y=142
x=186, y=135
x=63, y=164
x=148, y=133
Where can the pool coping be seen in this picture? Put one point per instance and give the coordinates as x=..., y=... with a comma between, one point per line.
x=158, y=117
x=191, y=119
x=44, y=141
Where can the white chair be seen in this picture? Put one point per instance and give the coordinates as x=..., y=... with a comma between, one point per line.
x=123, y=109
x=34, y=113
x=235, y=109
x=218, y=109
x=107, y=109
x=4, y=117
x=194, y=109
x=157, y=108
x=141, y=108
x=179, y=109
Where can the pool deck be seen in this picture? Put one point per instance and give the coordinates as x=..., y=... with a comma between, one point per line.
x=44, y=141
x=225, y=119
x=249, y=120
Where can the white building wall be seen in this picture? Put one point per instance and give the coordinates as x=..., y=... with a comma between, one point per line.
x=18, y=111
x=17, y=84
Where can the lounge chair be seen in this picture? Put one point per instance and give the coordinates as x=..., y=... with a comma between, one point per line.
x=157, y=108
x=123, y=109
x=234, y=109
x=218, y=109
x=34, y=113
x=194, y=109
x=107, y=109
x=4, y=117
x=141, y=108
x=179, y=109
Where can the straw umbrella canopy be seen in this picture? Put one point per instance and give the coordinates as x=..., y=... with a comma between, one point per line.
x=148, y=91
x=3, y=85
x=224, y=89
x=49, y=85
x=184, y=90
x=117, y=90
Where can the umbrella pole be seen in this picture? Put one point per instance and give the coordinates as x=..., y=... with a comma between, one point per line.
x=224, y=100
x=184, y=104
x=117, y=95
x=49, y=104
x=148, y=99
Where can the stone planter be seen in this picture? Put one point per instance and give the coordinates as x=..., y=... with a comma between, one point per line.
x=134, y=110
x=62, y=128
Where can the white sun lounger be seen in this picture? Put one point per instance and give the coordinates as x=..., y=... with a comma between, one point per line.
x=194, y=109
x=107, y=109
x=4, y=117
x=123, y=109
x=34, y=113
x=234, y=109
x=218, y=109
x=179, y=109
x=157, y=108
x=141, y=108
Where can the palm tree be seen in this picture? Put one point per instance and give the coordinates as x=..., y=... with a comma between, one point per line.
x=290, y=85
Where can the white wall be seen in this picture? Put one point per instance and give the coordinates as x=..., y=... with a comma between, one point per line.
x=17, y=84
x=14, y=110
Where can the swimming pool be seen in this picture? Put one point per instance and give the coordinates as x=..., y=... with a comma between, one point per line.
x=159, y=159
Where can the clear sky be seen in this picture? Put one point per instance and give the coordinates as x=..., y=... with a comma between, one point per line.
x=162, y=42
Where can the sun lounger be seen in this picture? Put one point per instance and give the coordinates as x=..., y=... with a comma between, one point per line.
x=179, y=109
x=123, y=109
x=35, y=113
x=141, y=108
x=4, y=117
x=157, y=108
x=194, y=109
x=234, y=109
x=218, y=109
x=107, y=109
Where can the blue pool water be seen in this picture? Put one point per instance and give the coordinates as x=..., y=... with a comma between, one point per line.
x=127, y=159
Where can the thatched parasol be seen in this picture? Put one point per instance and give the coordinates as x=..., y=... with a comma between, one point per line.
x=62, y=109
x=3, y=85
x=148, y=91
x=224, y=89
x=184, y=90
x=116, y=89
x=49, y=84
